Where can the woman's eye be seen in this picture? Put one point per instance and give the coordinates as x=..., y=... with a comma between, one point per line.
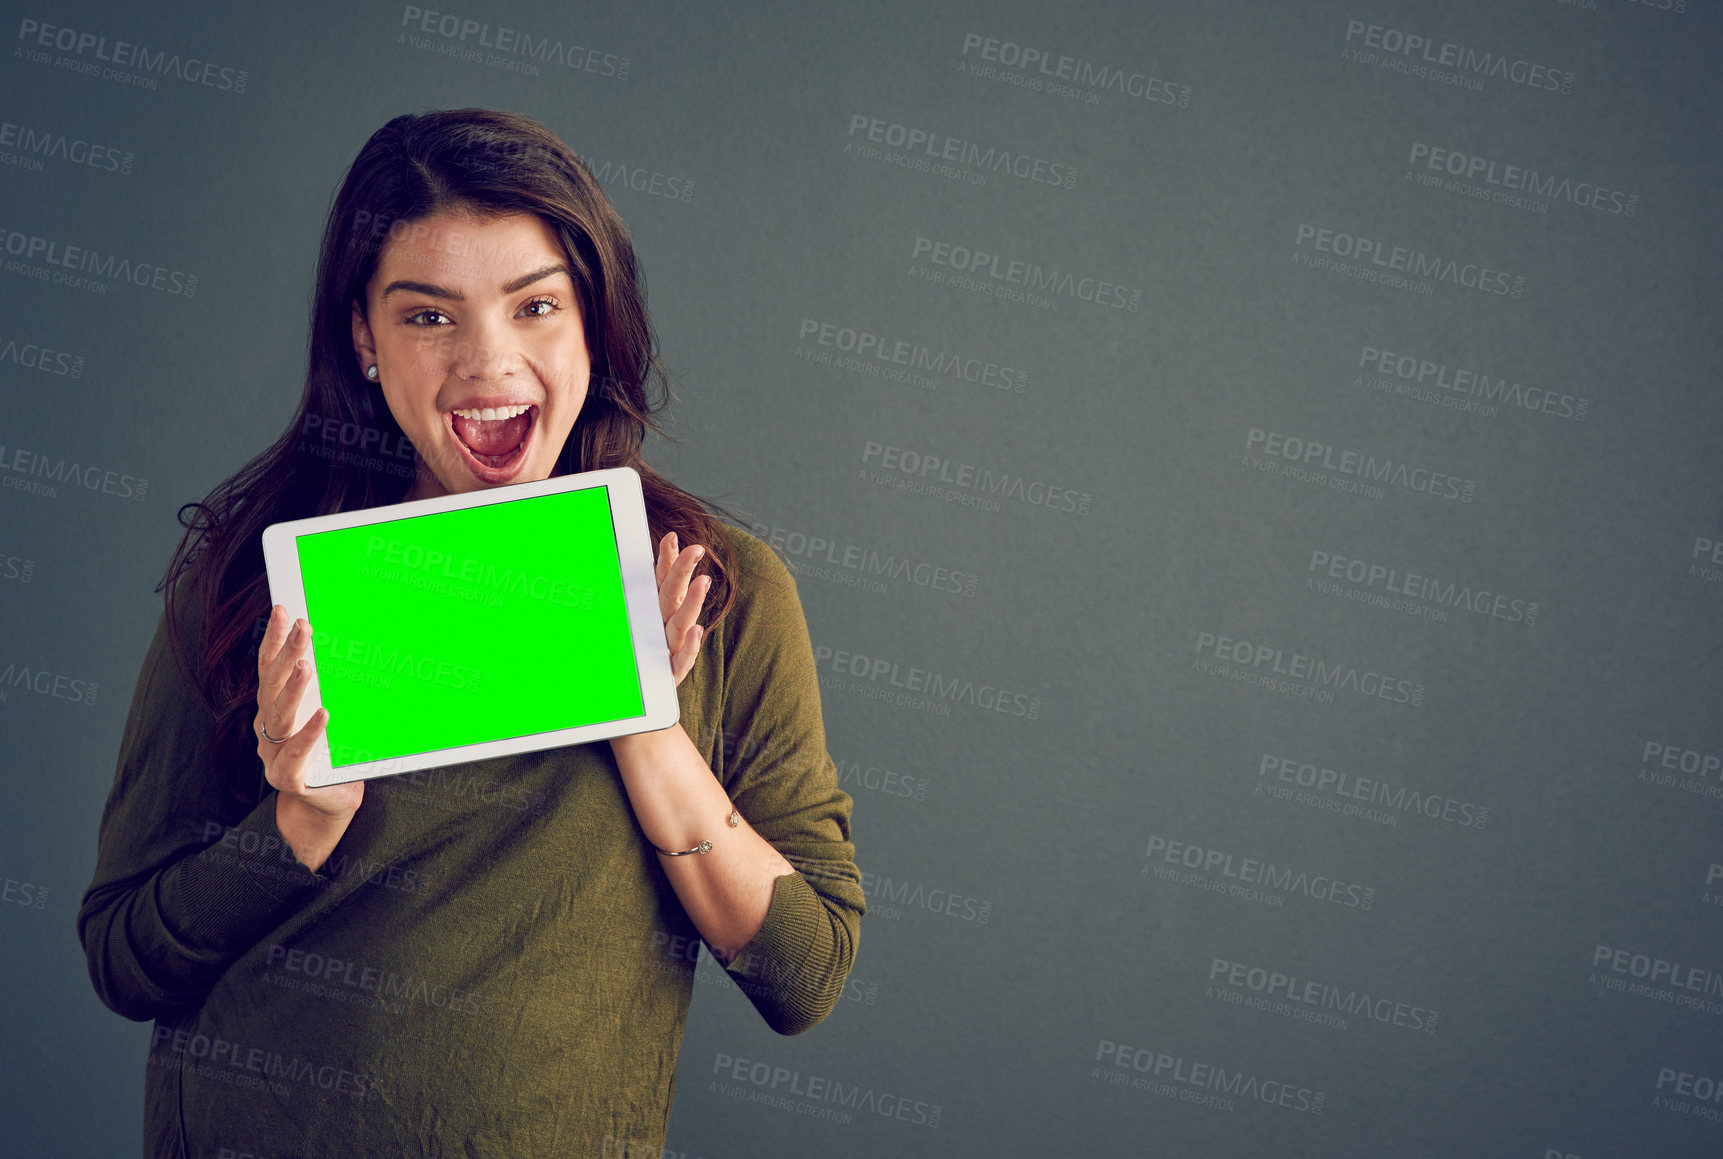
x=431, y=316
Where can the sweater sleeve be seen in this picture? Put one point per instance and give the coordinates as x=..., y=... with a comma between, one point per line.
x=186, y=878
x=783, y=780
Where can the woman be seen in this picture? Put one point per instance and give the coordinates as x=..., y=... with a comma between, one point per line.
x=494, y=958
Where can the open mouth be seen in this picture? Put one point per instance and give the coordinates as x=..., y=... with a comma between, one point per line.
x=494, y=438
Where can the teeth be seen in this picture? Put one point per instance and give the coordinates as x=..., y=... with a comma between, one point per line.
x=491, y=414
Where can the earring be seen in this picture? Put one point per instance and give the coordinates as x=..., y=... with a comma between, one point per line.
x=371, y=372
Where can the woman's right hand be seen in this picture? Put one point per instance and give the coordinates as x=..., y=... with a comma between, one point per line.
x=311, y=819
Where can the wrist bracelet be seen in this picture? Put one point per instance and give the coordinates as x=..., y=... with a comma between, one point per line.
x=704, y=846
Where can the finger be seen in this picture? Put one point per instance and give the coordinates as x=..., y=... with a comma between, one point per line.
x=688, y=611
x=683, y=634
x=281, y=711
x=279, y=672
x=683, y=661
x=280, y=667
x=672, y=593
x=287, y=770
x=665, y=553
x=290, y=755
x=674, y=579
x=274, y=635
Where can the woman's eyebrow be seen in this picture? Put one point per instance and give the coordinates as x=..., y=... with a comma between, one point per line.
x=436, y=291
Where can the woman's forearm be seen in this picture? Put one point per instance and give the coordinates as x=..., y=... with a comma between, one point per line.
x=679, y=803
x=161, y=939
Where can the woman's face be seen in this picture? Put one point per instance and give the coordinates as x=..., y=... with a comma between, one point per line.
x=476, y=335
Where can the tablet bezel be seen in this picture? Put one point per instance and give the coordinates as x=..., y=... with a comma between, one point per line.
x=640, y=594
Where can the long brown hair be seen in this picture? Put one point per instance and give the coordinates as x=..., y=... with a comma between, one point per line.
x=345, y=451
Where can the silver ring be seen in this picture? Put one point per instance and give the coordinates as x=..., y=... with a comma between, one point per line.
x=265, y=730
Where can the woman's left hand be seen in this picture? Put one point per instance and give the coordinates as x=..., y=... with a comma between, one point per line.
x=679, y=600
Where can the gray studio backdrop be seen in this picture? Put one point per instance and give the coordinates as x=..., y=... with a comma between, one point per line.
x=1252, y=475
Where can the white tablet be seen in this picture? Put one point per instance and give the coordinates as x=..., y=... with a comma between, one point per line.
x=500, y=621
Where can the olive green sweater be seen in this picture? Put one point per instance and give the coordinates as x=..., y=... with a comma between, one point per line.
x=491, y=963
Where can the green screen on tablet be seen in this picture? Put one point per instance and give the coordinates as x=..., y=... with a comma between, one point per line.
x=466, y=626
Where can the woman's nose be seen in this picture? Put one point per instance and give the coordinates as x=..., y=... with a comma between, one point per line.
x=482, y=351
